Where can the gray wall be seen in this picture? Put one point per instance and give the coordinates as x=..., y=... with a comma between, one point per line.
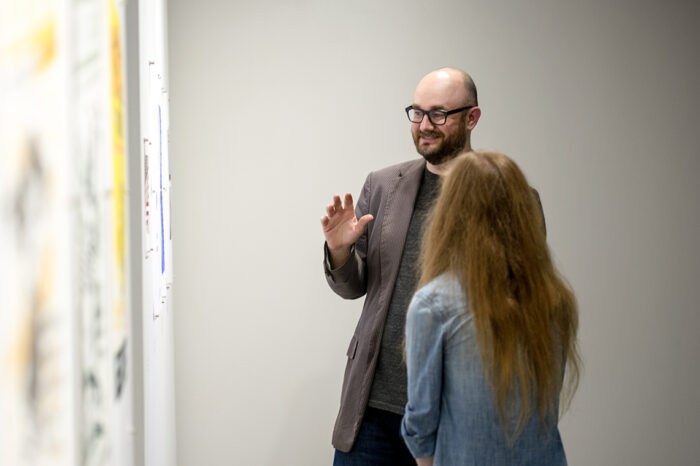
x=277, y=105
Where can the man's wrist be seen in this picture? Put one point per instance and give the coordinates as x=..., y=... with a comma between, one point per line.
x=338, y=257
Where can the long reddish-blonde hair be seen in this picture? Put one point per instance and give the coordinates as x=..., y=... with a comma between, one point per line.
x=487, y=228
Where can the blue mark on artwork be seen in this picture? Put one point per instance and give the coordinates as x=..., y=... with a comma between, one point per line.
x=162, y=236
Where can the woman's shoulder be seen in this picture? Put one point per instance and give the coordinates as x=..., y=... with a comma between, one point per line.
x=443, y=294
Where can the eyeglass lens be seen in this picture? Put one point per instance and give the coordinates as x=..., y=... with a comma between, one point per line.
x=436, y=117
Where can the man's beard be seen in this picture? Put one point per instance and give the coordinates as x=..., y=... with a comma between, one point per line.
x=449, y=148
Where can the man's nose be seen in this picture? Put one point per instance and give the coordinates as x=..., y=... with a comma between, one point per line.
x=426, y=124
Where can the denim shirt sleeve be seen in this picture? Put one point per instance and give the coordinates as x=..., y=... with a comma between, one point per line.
x=424, y=349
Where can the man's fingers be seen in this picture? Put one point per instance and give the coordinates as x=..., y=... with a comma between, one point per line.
x=337, y=206
x=348, y=201
x=364, y=220
x=324, y=221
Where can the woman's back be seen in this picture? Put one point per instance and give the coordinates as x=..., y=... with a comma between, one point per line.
x=451, y=412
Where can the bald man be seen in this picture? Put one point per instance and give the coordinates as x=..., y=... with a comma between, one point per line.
x=373, y=249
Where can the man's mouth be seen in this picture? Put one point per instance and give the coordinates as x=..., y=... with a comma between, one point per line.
x=428, y=137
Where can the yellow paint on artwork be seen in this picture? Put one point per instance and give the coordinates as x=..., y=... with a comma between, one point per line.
x=20, y=354
x=119, y=167
x=44, y=41
x=39, y=43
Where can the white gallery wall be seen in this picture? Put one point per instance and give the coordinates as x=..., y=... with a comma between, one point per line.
x=278, y=105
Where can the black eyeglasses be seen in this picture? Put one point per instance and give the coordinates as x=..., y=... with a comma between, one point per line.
x=436, y=117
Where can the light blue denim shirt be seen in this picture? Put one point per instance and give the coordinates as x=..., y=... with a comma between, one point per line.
x=451, y=413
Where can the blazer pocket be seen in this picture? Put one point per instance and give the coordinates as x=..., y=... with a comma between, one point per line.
x=352, y=349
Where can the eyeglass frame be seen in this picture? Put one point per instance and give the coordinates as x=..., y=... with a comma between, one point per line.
x=446, y=113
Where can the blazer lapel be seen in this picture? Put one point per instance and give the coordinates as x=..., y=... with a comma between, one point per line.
x=397, y=216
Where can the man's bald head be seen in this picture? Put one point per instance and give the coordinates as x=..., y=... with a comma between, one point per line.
x=451, y=85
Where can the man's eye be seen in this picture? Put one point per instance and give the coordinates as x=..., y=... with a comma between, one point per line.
x=437, y=116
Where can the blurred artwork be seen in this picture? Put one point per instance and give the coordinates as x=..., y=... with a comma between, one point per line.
x=65, y=397
x=100, y=233
x=36, y=352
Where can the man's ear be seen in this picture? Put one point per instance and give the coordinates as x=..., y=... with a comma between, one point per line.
x=473, y=117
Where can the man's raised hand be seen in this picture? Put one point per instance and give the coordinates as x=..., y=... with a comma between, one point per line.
x=342, y=228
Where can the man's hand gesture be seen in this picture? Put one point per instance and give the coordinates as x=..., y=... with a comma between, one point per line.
x=342, y=228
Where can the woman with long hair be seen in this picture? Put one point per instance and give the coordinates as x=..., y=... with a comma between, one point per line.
x=491, y=332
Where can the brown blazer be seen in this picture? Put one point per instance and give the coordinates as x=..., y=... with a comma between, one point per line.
x=389, y=195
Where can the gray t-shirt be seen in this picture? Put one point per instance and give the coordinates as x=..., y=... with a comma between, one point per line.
x=389, y=385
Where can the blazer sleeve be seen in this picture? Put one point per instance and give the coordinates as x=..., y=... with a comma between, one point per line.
x=350, y=279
